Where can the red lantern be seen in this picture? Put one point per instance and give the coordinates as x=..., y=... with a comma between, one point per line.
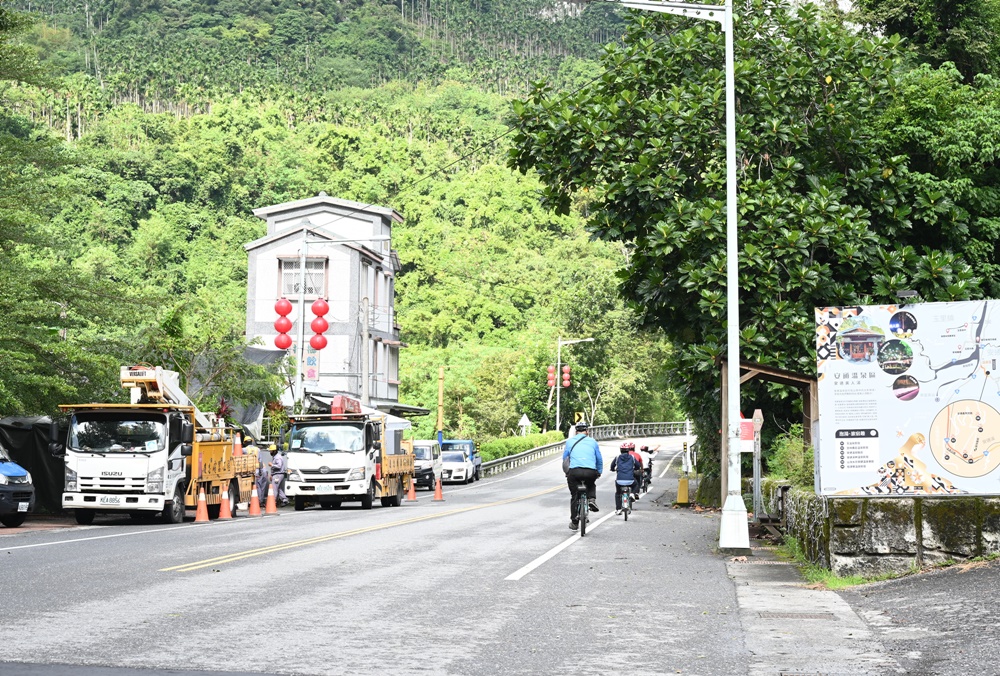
x=282, y=341
x=319, y=325
x=566, y=370
x=320, y=307
x=318, y=341
x=565, y=382
x=283, y=325
x=283, y=307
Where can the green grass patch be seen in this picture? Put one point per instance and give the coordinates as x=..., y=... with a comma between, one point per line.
x=817, y=575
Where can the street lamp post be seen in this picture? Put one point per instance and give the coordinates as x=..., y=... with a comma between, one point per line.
x=300, y=378
x=559, y=344
x=734, y=535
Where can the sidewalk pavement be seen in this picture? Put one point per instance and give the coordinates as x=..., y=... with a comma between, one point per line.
x=790, y=629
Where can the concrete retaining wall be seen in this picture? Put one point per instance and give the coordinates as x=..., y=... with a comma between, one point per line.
x=871, y=536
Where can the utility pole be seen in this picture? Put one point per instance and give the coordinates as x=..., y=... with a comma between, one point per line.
x=365, y=376
x=440, y=421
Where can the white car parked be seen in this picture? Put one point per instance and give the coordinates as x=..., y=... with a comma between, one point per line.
x=456, y=467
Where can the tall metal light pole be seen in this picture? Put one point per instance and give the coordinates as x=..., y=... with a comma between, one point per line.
x=300, y=378
x=559, y=343
x=734, y=534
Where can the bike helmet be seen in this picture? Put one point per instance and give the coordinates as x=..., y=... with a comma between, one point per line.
x=644, y=448
x=628, y=446
x=582, y=426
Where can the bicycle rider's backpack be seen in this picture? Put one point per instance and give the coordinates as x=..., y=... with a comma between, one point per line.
x=566, y=459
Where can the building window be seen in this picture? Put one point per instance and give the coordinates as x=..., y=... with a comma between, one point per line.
x=291, y=277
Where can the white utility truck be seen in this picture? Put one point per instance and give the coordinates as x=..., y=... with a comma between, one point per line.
x=151, y=457
x=346, y=455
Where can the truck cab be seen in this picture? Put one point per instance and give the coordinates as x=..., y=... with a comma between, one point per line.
x=467, y=446
x=17, y=493
x=427, y=462
x=342, y=456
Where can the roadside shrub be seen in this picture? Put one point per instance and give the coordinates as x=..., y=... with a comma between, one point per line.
x=501, y=448
x=791, y=458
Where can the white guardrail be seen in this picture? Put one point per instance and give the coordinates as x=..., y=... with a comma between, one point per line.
x=598, y=432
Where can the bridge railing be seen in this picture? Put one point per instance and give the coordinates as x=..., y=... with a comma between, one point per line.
x=598, y=432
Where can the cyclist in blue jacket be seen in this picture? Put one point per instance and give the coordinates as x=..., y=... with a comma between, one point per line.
x=586, y=465
x=626, y=467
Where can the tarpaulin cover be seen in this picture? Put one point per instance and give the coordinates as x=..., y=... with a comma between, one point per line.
x=27, y=441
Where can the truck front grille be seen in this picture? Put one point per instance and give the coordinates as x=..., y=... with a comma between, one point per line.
x=113, y=484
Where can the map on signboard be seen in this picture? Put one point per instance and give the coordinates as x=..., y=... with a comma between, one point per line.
x=909, y=399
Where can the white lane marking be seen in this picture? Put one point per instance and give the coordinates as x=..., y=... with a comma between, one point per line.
x=524, y=570
x=96, y=537
x=665, y=469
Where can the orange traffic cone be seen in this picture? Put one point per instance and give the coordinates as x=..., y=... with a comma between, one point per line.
x=437, y=491
x=411, y=495
x=271, y=507
x=201, y=514
x=224, y=511
x=254, y=509
x=237, y=445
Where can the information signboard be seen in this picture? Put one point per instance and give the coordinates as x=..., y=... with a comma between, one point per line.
x=909, y=399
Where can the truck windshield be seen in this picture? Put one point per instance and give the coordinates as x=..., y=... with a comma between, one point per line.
x=125, y=432
x=453, y=457
x=345, y=437
x=422, y=452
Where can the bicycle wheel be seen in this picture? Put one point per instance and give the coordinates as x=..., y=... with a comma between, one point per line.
x=626, y=504
x=582, y=511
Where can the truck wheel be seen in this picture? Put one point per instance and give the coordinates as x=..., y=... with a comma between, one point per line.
x=234, y=497
x=300, y=503
x=174, y=512
x=13, y=520
x=397, y=499
x=84, y=517
x=369, y=498
x=479, y=474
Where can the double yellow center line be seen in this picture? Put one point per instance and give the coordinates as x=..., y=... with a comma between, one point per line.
x=237, y=556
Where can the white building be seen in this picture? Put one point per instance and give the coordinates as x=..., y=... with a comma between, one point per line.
x=351, y=275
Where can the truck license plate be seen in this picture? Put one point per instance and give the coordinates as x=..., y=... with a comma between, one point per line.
x=22, y=506
x=326, y=489
x=110, y=500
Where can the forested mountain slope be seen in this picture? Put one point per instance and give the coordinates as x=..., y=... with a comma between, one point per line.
x=177, y=119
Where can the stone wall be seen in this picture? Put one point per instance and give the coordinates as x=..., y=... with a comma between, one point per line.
x=871, y=536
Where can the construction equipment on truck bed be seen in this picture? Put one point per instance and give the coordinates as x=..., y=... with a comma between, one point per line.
x=150, y=457
x=346, y=455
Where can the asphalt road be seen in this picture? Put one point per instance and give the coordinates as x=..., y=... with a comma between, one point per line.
x=942, y=623
x=472, y=585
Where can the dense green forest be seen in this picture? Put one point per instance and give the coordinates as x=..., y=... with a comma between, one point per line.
x=140, y=137
x=557, y=165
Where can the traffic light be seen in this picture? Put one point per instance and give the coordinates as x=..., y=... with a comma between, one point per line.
x=552, y=376
x=565, y=376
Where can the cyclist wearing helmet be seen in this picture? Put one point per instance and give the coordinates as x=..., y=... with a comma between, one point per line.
x=637, y=483
x=586, y=465
x=647, y=461
x=625, y=465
